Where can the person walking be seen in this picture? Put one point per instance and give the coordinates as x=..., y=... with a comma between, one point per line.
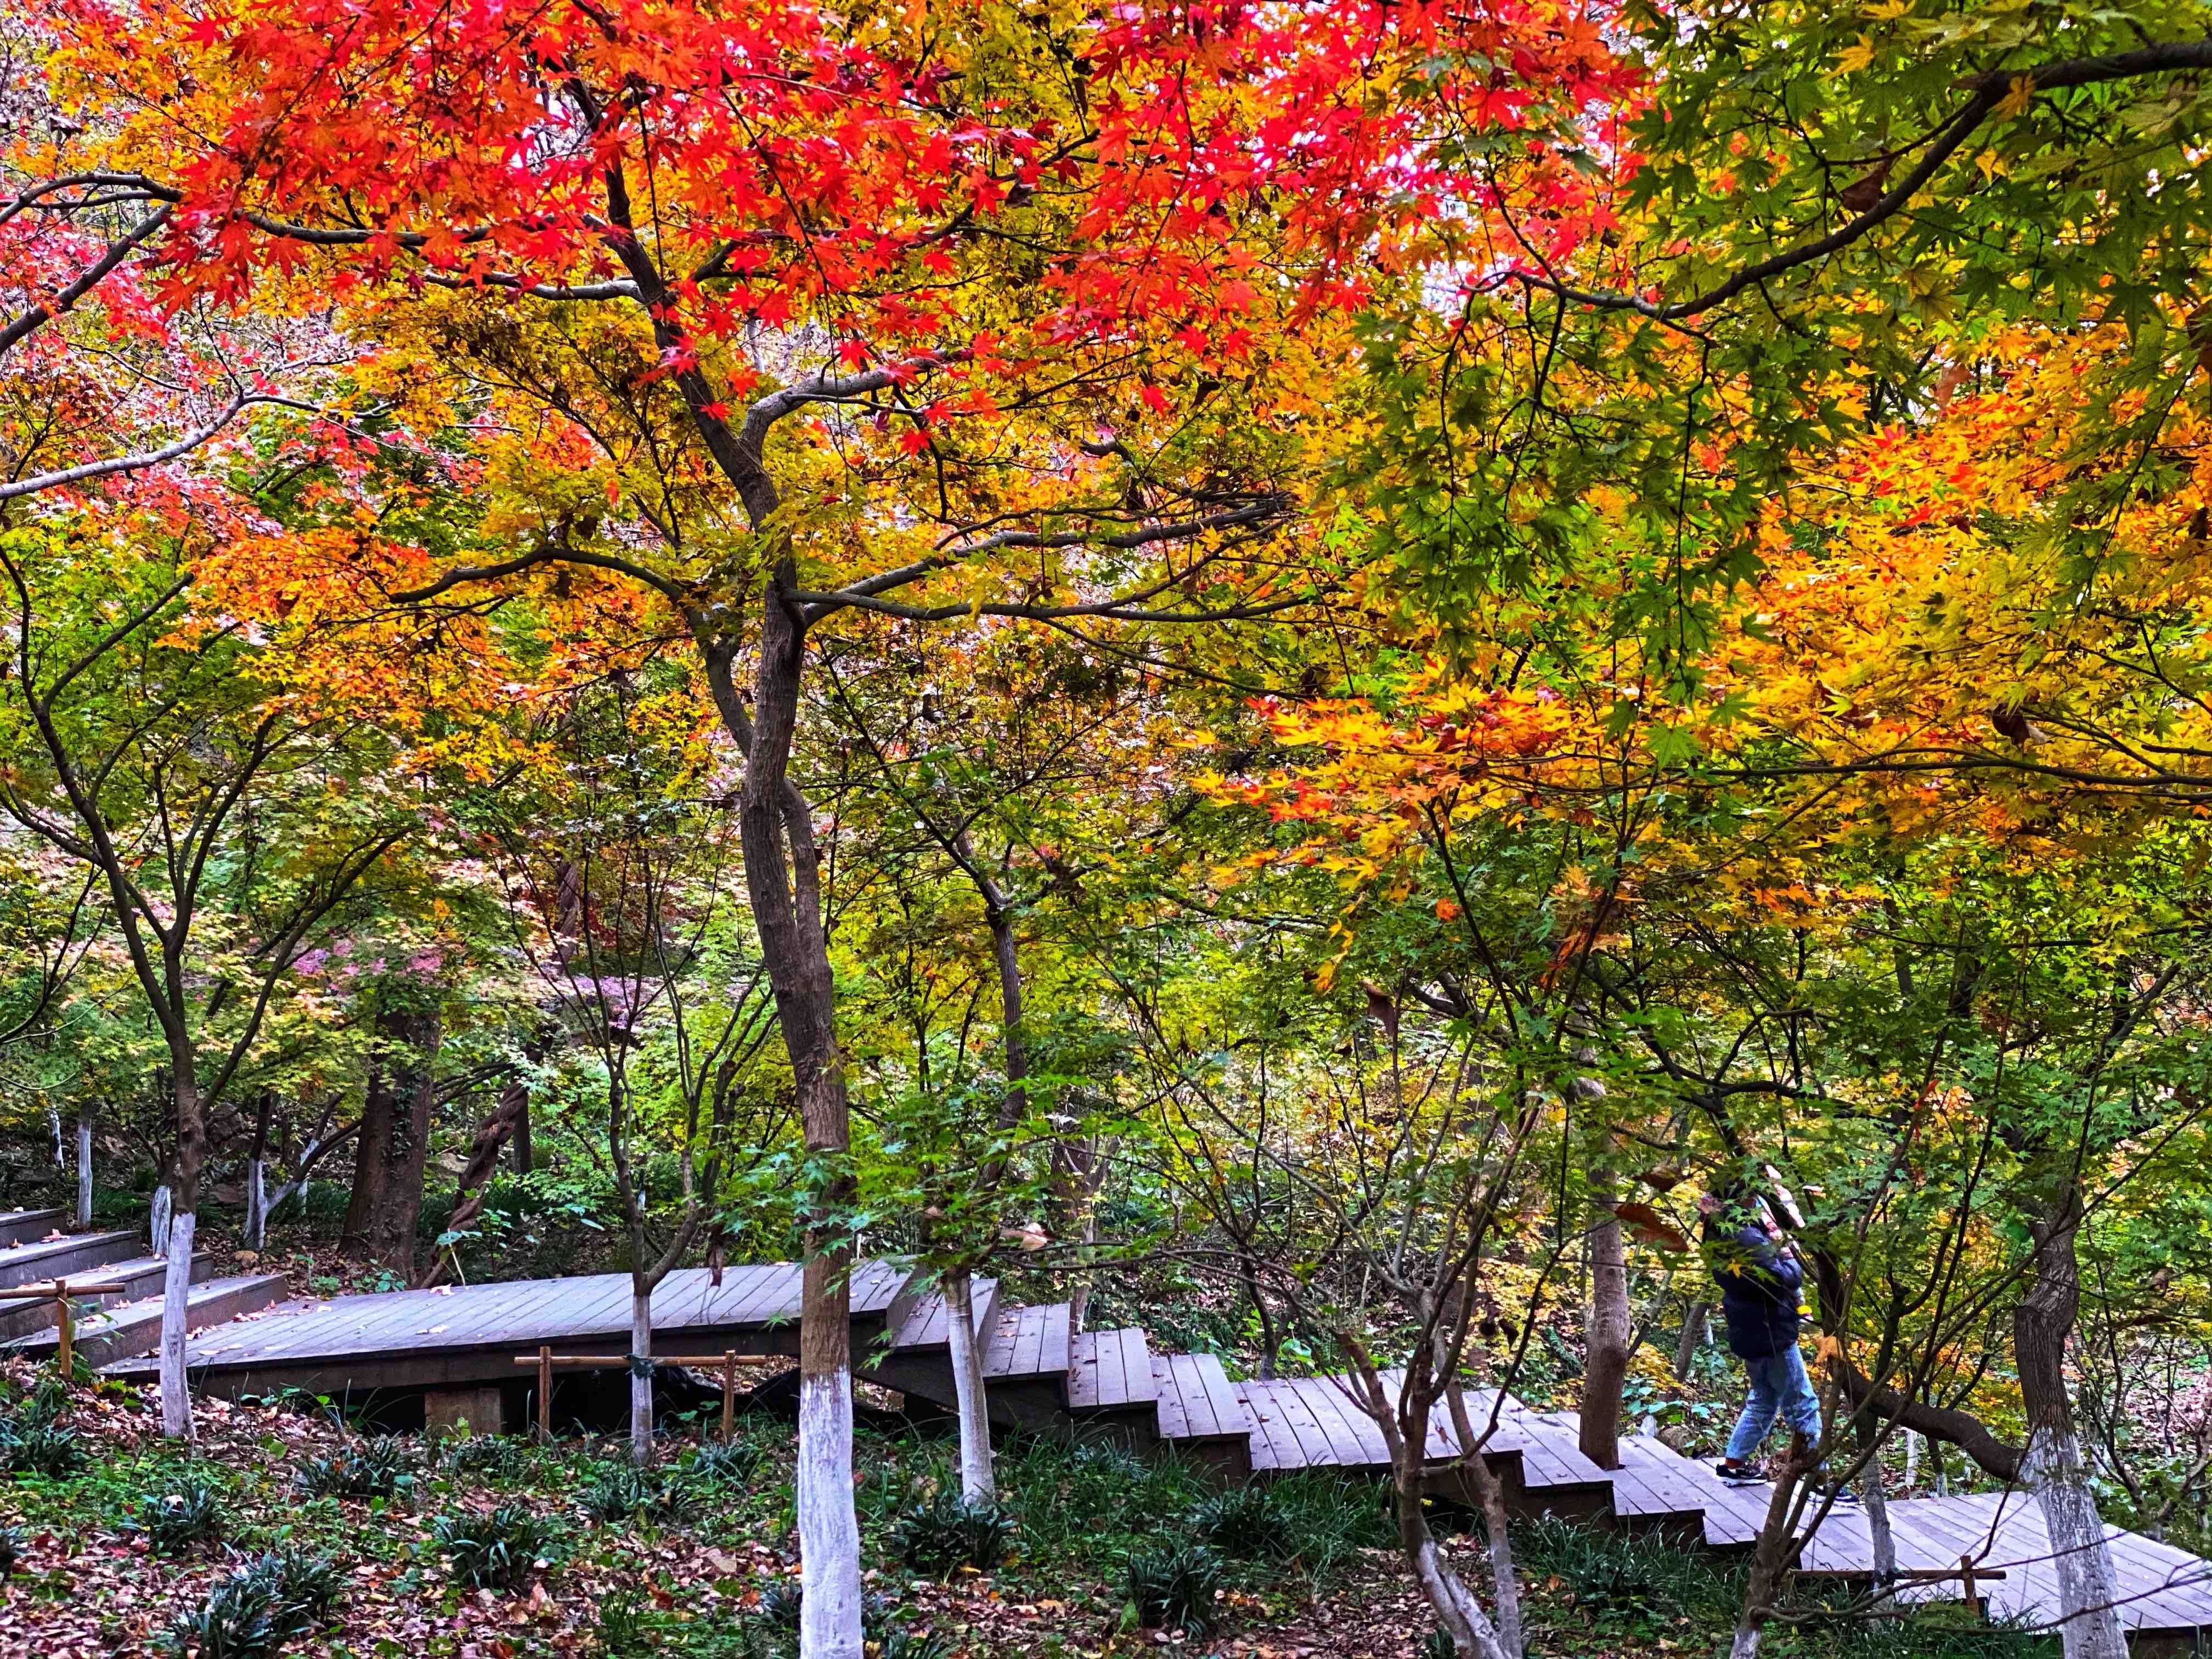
x=1760, y=1280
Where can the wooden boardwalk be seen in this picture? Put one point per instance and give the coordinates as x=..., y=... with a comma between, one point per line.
x=1041, y=1374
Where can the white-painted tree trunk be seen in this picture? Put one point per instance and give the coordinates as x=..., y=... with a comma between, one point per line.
x=256, y=1231
x=176, y=1317
x=829, y=1531
x=641, y=1377
x=1911, y=1460
x=2055, y=1471
x=83, y=1171
x=978, y=1482
x=1745, y=1645
x=157, y=1220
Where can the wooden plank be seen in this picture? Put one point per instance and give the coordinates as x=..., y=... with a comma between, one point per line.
x=1274, y=1446
x=1296, y=1413
x=1221, y=1393
x=1082, y=1372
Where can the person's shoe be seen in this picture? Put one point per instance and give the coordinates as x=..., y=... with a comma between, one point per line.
x=1739, y=1474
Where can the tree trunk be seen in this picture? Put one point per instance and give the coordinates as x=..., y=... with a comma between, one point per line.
x=524, y=1161
x=510, y=1116
x=785, y=898
x=254, y=1234
x=1605, y=1341
x=177, y=1278
x=1490, y=1498
x=84, y=1170
x=641, y=1370
x=1770, y=1556
x=1875, y=1499
x=978, y=1481
x=395, y=1137
x=158, y=1216
x=1473, y=1637
x=2053, y=1467
x=1693, y=1337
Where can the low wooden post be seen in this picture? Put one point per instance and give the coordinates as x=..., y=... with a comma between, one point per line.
x=544, y=1396
x=58, y=1291
x=731, y=1360
x=1971, y=1577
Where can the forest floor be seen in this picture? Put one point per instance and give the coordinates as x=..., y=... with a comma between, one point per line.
x=125, y=1534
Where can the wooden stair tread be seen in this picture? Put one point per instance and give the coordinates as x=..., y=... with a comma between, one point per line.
x=926, y=1325
x=1110, y=1369
x=134, y=1328
x=1196, y=1399
x=73, y=1255
x=1030, y=1341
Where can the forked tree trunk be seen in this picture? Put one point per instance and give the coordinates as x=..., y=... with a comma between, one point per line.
x=641, y=1370
x=1472, y=1635
x=978, y=1481
x=1605, y=1341
x=177, y=1278
x=2053, y=1468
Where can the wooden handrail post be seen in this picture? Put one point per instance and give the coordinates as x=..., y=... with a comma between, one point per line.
x=58, y=1291
x=544, y=1396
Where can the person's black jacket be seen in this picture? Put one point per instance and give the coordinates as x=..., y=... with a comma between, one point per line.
x=1758, y=1284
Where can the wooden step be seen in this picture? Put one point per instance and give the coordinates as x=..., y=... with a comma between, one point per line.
x=134, y=1328
x=922, y=1323
x=139, y=1278
x=22, y=1226
x=1110, y=1371
x=74, y=1257
x=1196, y=1399
x=1029, y=1342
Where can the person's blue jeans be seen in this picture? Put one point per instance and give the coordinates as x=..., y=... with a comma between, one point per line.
x=1778, y=1383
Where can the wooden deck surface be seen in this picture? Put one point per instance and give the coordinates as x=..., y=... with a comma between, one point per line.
x=399, y=1327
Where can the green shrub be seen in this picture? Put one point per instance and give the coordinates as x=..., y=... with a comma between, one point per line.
x=621, y=1491
x=187, y=1512
x=725, y=1463
x=1438, y=1644
x=948, y=1531
x=277, y=1598
x=497, y=1454
x=29, y=1445
x=780, y=1602
x=382, y=1467
x=1243, y=1523
x=495, y=1549
x=1173, y=1591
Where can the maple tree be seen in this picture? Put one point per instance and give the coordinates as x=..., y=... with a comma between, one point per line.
x=783, y=206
